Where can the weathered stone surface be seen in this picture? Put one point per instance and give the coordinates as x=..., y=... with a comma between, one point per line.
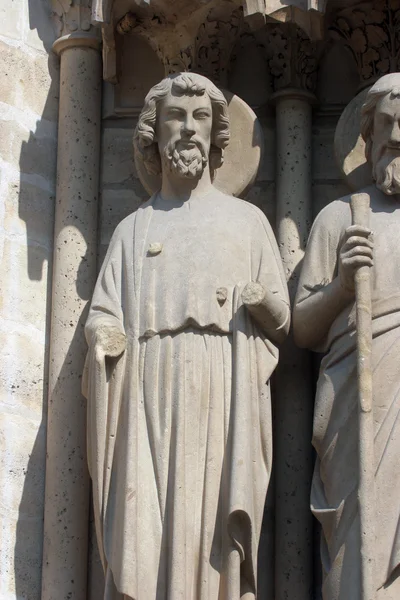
x=23, y=383
x=27, y=82
x=28, y=151
x=28, y=131
x=26, y=297
x=10, y=19
x=29, y=212
x=323, y=158
x=266, y=171
x=118, y=166
x=38, y=32
x=22, y=483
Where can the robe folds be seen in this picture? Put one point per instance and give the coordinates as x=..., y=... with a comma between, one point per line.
x=179, y=426
x=335, y=437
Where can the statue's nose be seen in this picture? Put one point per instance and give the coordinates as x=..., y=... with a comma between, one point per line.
x=188, y=125
x=395, y=135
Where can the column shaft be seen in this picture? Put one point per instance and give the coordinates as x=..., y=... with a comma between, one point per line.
x=74, y=274
x=294, y=401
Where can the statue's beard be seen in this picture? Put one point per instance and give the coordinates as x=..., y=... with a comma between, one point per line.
x=386, y=169
x=186, y=162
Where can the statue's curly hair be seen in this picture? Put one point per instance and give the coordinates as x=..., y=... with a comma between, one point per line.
x=388, y=84
x=181, y=83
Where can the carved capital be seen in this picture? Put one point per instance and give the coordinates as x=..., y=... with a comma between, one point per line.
x=72, y=19
x=213, y=46
x=371, y=31
x=292, y=58
x=205, y=49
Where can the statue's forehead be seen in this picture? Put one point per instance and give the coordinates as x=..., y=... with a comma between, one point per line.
x=390, y=103
x=186, y=101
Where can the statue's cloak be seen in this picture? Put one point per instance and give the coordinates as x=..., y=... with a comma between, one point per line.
x=334, y=496
x=179, y=426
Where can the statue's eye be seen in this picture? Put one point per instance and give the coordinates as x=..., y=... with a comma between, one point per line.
x=202, y=114
x=387, y=120
x=174, y=113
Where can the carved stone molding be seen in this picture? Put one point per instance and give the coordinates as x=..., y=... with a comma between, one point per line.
x=72, y=20
x=371, y=30
x=253, y=9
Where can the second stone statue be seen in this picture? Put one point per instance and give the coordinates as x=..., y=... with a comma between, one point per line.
x=189, y=306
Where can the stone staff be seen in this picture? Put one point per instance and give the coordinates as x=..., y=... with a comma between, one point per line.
x=360, y=209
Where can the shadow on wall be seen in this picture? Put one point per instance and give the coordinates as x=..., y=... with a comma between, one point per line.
x=36, y=208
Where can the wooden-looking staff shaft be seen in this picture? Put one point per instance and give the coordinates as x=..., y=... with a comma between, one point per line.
x=360, y=208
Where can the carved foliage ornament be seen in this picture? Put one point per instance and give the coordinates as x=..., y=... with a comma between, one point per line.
x=372, y=32
x=208, y=55
x=291, y=56
x=71, y=15
x=161, y=36
x=214, y=44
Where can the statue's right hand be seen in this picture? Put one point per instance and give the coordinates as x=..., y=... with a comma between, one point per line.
x=110, y=340
x=357, y=251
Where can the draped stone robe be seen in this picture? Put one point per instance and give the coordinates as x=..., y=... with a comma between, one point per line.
x=179, y=426
x=335, y=438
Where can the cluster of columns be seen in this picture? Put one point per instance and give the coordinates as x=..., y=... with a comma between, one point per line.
x=66, y=524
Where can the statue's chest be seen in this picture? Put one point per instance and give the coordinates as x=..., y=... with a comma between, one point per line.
x=190, y=240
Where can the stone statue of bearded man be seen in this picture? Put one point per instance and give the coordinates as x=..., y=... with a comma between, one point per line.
x=324, y=320
x=189, y=305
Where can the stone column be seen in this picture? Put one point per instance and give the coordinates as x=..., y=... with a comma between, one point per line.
x=294, y=402
x=74, y=273
x=294, y=75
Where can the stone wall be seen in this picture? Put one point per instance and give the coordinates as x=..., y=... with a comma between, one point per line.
x=28, y=135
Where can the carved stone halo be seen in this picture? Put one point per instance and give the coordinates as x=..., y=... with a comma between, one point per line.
x=242, y=156
x=350, y=147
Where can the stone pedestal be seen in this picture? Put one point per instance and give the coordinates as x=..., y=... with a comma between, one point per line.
x=294, y=398
x=74, y=274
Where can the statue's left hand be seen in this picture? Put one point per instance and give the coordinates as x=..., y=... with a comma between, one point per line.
x=110, y=340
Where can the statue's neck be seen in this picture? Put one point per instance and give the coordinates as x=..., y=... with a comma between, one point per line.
x=180, y=189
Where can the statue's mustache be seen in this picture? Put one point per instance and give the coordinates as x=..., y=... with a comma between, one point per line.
x=184, y=144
